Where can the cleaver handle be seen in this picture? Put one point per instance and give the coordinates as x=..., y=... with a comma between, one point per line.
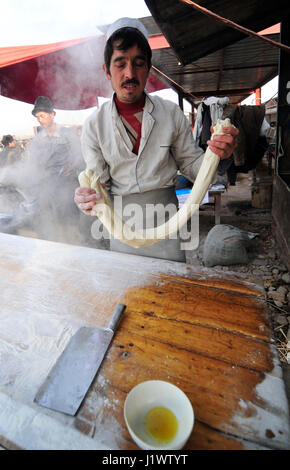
x=116, y=317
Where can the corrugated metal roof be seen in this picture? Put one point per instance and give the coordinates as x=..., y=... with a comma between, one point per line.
x=208, y=58
x=193, y=35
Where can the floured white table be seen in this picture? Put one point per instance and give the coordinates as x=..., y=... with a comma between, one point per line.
x=208, y=334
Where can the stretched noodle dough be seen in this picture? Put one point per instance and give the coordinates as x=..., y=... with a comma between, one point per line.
x=121, y=231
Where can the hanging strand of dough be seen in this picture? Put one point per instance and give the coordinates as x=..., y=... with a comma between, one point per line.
x=123, y=232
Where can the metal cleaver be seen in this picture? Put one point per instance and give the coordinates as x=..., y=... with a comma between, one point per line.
x=69, y=379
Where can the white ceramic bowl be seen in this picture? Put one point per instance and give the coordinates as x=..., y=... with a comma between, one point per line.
x=157, y=393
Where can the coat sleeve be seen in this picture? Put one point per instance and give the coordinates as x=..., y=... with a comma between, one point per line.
x=187, y=154
x=92, y=152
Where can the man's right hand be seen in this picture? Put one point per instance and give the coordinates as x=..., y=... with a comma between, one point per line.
x=86, y=199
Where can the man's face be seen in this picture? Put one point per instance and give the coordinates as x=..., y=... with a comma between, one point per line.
x=44, y=119
x=128, y=73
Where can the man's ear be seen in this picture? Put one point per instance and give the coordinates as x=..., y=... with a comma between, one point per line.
x=107, y=72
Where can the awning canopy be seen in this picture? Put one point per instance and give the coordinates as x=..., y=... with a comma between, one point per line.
x=70, y=73
x=208, y=57
x=192, y=53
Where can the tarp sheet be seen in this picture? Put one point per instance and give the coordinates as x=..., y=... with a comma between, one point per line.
x=69, y=73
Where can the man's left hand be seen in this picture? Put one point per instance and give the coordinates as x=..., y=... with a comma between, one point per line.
x=224, y=145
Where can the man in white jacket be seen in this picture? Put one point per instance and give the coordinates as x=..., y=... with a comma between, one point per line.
x=136, y=142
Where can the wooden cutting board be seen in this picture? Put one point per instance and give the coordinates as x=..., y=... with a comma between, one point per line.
x=208, y=333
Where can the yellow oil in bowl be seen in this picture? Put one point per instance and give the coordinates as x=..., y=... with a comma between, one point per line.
x=161, y=424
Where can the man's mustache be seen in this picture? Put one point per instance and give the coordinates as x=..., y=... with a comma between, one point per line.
x=132, y=81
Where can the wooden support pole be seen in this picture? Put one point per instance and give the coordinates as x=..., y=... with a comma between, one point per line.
x=258, y=96
x=192, y=117
x=180, y=101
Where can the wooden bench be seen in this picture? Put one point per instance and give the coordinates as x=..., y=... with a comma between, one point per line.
x=217, y=195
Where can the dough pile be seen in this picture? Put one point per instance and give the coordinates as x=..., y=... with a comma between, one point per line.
x=121, y=231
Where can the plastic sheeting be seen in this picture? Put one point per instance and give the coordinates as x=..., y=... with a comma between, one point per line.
x=69, y=73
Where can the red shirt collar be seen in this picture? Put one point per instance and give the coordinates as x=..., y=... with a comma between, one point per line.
x=127, y=107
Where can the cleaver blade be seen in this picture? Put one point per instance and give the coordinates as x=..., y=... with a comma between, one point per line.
x=69, y=379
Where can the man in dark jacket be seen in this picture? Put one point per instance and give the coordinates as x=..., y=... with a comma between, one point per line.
x=54, y=160
x=57, y=148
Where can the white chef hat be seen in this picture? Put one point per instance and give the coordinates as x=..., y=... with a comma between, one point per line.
x=126, y=23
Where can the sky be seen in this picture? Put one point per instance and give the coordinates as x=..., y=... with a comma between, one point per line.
x=27, y=22
x=44, y=21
